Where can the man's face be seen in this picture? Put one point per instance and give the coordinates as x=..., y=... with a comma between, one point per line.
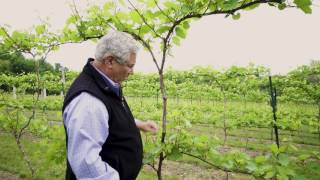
x=122, y=71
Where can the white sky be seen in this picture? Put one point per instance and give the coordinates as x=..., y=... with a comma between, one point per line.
x=265, y=36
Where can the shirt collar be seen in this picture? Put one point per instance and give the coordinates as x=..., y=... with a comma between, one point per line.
x=115, y=86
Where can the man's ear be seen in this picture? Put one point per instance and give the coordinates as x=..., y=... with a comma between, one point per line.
x=108, y=60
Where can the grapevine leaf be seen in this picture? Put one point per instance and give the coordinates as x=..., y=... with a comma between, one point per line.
x=135, y=17
x=175, y=154
x=176, y=40
x=284, y=159
x=251, y=167
x=260, y=159
x=270, y=174
x=107, y=6
x=186, y=25
x=40, y=29
x=304, y=5
x=236, y=16
x=163, y=29
x=180, y=32
x=231, y=4
x=282, y=6
x=274, y=149
x=303, y=157
x=169, y=4
x=252, y=7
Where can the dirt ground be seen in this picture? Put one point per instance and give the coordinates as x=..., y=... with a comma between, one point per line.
x=192, y=172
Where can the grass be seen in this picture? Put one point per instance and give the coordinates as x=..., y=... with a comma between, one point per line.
x=12, y=159
x=12, y=165
x=147, y=175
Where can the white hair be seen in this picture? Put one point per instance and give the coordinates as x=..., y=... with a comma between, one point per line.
x=117, y=44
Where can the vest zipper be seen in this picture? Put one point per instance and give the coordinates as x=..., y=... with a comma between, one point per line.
x=122, y=101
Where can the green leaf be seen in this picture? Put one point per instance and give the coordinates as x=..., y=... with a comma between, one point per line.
x=260, y=159
x=282, y=149
x=149, y=15
x=151, y=4
x=122, y=16
x=203, y=138
x=274, y=149
x=270, y=174
x=231, y=4
x=299, y=177
x=40, y=29
x=170, y=4
x=228, y=165
x=282, y=6
x=304, y=5
x=188, y=124
x=252, y=7
x=72, y=20
x=180, y=32
x=2, y=32
x=144, y=29
x=284, y=159
x=303, y=157
x=55, y=48
x=186, y=25
x=172, y=137
x=293, y=147
x=213, y=7
x=163, y=29
x=175, y=154
x=176, y=40
x=107, y=6
x=135, y=17
x=236, y=16
x=251, y=167
x=316, y=155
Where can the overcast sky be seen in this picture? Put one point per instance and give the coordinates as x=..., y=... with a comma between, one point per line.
x=280, y=40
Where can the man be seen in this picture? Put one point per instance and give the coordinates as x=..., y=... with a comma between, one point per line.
x=103, y=139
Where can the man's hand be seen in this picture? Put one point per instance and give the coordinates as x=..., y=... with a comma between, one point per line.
x=148, y=126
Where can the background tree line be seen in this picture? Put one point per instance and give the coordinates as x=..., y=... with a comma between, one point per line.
x=250, y=83
x=16, y=63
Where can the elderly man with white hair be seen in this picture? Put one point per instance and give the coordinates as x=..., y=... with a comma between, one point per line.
x=102, y=136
